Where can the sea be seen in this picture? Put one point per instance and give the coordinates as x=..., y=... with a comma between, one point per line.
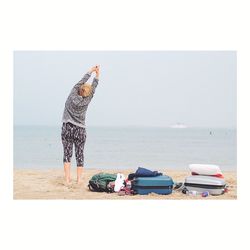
x=40, y=147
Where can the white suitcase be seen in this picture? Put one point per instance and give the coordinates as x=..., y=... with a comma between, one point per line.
x=199, y=183
x=205, y=169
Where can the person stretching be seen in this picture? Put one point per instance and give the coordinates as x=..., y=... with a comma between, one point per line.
x=73, y=127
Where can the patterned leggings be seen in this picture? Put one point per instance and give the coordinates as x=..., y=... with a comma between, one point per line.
x=72, y=134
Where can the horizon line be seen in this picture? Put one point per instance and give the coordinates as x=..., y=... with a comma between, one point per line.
x=127, y=126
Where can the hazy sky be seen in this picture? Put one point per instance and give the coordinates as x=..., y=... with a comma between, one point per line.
x=157, y=88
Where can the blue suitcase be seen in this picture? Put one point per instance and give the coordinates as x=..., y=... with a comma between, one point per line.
x=162, y=184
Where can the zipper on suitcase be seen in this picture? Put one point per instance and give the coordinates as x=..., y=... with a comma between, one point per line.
x=204, y=186
x=153, y=187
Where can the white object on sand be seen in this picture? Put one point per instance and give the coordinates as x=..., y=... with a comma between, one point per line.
x=119, y=182
x=205, y=169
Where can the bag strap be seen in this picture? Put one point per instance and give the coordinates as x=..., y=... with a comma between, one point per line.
x=90, y=188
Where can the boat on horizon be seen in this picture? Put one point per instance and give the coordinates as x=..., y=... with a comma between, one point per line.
x=178, y=125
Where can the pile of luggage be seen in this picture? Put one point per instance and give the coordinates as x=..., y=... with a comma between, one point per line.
x=143, y=181
x=205, y=180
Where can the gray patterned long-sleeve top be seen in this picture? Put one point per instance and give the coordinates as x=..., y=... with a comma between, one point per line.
x=76, y=105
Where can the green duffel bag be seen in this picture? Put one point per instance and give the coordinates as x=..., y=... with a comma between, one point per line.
x=99, y=182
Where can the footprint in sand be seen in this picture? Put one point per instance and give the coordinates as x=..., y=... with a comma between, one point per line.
x=59, y=182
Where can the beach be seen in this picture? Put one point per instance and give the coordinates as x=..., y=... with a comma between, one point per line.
x=46, y=184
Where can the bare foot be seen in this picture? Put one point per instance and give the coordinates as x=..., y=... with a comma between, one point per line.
x=79, y=182
x=68, y=183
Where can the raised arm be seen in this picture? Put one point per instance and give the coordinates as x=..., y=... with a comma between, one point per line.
x=96, y=79
x=85, y=78
x=86, y=100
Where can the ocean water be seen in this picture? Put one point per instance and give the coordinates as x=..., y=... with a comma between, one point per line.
x=128, y=147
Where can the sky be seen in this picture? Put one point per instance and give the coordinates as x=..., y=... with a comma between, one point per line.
x=136, y=88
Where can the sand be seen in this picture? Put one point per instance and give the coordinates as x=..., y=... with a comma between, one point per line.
x=49, y=184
